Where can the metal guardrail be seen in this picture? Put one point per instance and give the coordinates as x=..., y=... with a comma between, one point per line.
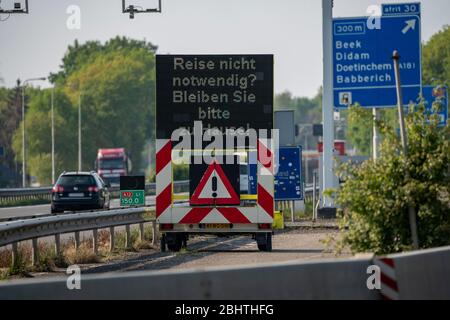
x=21, y=230
x=23, y=194
x=308, y=194
x=8, y=196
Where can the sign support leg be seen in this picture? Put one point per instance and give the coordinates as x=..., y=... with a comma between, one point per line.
x=376, y=134
x=314, y=195
x=327, y=100
x=404, y=137
x=293, y=211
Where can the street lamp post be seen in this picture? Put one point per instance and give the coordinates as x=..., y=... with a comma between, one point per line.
x=53, y=137
x=303, y=130
x=79, y=133
x=24, y=167
x=77, y=87
x=327, y=101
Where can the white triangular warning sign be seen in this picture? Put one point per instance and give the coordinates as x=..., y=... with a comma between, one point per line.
x=215, y=188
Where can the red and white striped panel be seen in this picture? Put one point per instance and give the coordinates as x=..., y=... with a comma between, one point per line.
x=389, y=286
x=265, y=181
x=166, y=213
x=163, y=181
x=226, y=215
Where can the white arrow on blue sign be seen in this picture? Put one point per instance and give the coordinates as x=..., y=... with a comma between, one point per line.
x=363, y=67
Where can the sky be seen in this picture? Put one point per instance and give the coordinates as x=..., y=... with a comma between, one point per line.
x=33, y=45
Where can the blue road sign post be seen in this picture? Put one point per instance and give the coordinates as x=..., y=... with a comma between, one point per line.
x=252, y=173
x=288, y=180
x=362, y=58
x=436, y=97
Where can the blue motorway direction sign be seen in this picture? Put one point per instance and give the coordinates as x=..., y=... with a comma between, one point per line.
x=434, y=96
x=363, y=66
x=288, y=180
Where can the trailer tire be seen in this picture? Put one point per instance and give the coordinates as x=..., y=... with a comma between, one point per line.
x=175, y=242
x=174, y=247
x=264, y=242
x=269, y=242
x=56, y=211
x=163, y=243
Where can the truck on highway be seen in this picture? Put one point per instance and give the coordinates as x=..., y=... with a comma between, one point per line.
x=111, y=164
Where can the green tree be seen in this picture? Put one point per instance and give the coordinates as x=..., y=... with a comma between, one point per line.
x=78, y=55
x=376, y=196
x=10, y=119
x=116, y=81
x=436, y=58
x=38, y=131
x=360, y=124
x=360, y=129
x=306, y=110
x=117, y=93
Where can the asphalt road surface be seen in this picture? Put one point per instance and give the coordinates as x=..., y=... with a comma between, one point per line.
x=45, y=209
x=300, y=244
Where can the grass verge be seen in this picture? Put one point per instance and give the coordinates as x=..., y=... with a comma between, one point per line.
x=49, y=261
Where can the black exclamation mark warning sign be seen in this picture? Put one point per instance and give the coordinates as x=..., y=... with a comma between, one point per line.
x=214, y=187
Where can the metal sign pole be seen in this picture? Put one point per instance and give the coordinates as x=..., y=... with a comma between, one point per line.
x=24, y=167
x=293, y=211
x=327, y=100
x=403, y=134
x=79, y=133
x=314, y=194
x=376, y=135
x=53, y=136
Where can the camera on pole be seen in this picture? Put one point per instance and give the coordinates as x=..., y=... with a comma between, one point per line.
x=132, y=9
x=16, y=7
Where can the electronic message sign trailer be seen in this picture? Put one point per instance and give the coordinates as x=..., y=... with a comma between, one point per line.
x=215, y=96
x=362, y=58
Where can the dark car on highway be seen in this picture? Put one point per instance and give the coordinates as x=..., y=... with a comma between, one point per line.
x=79, y=191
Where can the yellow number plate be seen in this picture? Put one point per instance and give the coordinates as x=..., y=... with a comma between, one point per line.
x=217, y=226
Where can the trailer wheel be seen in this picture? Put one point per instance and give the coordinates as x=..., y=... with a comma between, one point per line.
x=163, y=243
x=184, y=241
x=175, y=242
x=174, y=247
x=269, y=242
x=264, y=241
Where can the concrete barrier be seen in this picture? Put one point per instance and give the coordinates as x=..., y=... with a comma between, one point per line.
x=419, y=275
x=340, y=279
